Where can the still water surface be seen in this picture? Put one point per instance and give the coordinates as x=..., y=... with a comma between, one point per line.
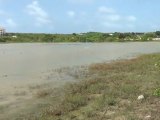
x=26, y=61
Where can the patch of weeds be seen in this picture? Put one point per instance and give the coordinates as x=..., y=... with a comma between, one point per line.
x=104, y=101
x=89, y=112
x=2, y=108
x=52, y=111
x=157, y=65
x=69, y=103
x=107, y=89
x=73, y=102
x=96, y=88
x=111, y=101
x=42, y=93
x=157, y=92
x=131, y=117
x=129, y=90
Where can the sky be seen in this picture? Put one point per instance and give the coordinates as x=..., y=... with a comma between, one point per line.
x=77, y=16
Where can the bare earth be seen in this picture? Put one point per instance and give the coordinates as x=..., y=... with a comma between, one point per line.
x=26, y=66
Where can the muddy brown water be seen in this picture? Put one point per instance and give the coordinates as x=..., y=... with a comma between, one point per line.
x=27, y=61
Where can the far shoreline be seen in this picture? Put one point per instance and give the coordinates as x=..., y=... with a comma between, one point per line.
x=80, y=37
x=76, y=42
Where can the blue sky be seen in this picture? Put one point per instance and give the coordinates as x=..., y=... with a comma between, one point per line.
x=68, y=16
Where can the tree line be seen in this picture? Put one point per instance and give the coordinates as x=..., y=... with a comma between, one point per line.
x=82, y=37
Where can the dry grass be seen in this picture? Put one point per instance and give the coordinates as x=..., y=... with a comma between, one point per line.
x=110, y=92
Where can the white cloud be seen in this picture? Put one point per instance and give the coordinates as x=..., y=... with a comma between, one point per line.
x=109, y=17
x=40, y=15
x=105, y=10
x=131, y=18
x=6, y=20
x=71, y=13
x=10, y=23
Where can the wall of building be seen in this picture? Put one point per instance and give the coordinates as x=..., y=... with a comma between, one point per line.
x=2, y=31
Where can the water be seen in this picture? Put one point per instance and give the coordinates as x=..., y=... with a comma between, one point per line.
x=26, y=61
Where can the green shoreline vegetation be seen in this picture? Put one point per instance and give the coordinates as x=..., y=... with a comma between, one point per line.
x=108, y=91
x=75, y=37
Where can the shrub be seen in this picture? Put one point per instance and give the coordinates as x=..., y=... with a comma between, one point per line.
x=157, y=92
x=42, y=93
x=73, y=102
x=2, y=40
x=157, y=65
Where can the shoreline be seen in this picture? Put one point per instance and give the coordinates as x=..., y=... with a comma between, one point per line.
x=127, y=79
x=77, y=42
x=21, y=95
x=25, y=69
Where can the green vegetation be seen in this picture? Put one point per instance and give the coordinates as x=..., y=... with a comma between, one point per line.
x=82, y=37
x=157, y=92
x=109, y=91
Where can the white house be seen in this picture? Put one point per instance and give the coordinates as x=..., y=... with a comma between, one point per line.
x=14, y=36
x=2, y=31
x=156, y=39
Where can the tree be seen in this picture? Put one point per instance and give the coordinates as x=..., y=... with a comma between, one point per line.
x=121, y=36
x=48, y=38
x=74, y=34
x=157, y=33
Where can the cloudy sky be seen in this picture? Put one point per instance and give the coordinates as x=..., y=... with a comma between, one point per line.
x=68, y=16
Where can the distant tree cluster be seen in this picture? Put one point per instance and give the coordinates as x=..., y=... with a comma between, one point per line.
x=82, y=37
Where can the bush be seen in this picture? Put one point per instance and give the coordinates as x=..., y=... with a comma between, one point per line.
x=2, y=40
x=73, y=102
x=157, y=65
x=157, y=92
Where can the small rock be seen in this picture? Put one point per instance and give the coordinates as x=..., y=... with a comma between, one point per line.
x=148, y=117
x=140, y=97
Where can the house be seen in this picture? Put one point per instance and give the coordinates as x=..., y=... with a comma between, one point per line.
x=111, y=34
x=14, y=36
x=156, y=39
x=2, y=31
x=80, y=33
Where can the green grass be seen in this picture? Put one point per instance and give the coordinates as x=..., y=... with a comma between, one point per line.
x=109, y=91
x=157, y=92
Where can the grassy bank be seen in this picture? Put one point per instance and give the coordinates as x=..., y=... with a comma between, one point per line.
x=108, y=91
